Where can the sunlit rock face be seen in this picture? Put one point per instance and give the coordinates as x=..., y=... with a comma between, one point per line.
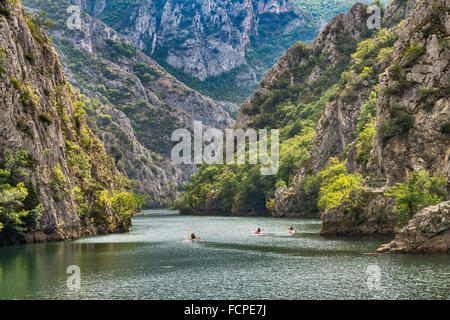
x=203, y=38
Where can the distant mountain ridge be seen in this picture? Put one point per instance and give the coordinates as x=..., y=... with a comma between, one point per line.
x=230, y=43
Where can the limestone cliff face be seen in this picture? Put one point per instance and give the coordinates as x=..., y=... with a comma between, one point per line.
x=334, y=45
x=202, y=38
x=38, y=115
x=417, y=82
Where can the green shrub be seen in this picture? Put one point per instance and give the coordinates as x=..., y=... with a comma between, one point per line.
x=412, y=54
x=29, y=98
x=124, y=204
x=30, y=57
x=420, y=191
x=46, y=117
x=445, y=128
x=365, y=144
x=399, y=123
x=20, y=209
x=58, y=182
x=15, y=83
x=4, y=12
x=336, y=184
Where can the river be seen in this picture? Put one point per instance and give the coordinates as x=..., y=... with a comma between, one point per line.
x=155, y=261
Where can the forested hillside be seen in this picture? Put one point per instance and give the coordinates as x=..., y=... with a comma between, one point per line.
x=363, y=116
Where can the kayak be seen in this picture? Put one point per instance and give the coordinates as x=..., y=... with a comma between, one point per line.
x=257, y=232
x=292, y=231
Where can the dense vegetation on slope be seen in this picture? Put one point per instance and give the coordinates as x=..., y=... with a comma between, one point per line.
x=326, y=108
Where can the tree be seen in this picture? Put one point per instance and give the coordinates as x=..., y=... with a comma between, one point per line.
x=419, y=191
x=336, y=185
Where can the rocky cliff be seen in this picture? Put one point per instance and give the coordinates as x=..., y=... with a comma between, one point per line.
x=57, y=181
x=427, y=232
x=412, y=106
x=343, y=118
x=141, y=103
x=412, y=112
x=413, y=103
x=208, y=39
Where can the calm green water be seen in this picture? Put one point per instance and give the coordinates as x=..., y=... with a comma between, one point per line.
x=155, y=261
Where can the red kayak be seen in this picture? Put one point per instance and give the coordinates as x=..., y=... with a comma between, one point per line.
x=292, y=231
x=257, y=232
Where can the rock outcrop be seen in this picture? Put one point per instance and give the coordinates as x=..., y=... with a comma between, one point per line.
x=372, y=215
x=62, y=163
x=427, y=232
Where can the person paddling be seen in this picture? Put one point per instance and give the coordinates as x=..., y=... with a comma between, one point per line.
x=193, y=237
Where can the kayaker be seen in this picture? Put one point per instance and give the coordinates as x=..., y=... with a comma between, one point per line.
x=193, y=237
x=259, y=229
x=291, y=229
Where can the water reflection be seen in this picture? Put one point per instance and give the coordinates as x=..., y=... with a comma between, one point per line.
x=154, y=261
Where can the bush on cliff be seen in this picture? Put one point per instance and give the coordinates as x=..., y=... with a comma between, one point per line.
x=419, y=191
x=336, y=185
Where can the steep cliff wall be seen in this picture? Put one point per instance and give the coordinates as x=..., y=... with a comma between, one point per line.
x=145, y=103
x=417, y=84
x=412, y=112
x=46, y=147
